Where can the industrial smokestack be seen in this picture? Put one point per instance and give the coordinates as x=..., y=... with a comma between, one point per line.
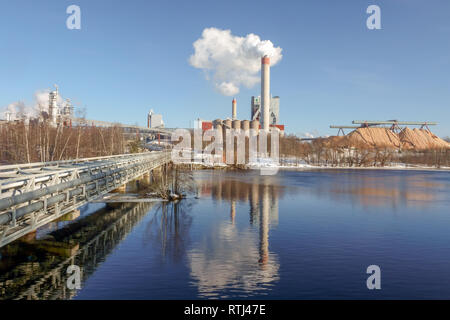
x=53, y=107
x=265, y=92
x=233, y=109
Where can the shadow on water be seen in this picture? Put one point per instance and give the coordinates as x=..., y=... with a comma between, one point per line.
x=37, y=269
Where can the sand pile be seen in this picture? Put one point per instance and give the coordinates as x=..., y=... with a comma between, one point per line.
x=376, y=137
x=421, y=139
x=336, y=141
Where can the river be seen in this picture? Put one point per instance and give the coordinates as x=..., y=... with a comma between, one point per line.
x=294, y=235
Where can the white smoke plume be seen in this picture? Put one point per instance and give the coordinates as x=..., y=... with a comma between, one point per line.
x=231, y=61
x=20, y=110
x=309, y=135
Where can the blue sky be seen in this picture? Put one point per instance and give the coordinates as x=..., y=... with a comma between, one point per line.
x=131, y=56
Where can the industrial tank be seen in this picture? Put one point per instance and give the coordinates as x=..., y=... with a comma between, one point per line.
x=254, y=125
x=245, y=125
x=227, y=123
x=217, y=124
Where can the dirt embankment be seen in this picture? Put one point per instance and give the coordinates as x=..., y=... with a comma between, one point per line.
x=407, y=139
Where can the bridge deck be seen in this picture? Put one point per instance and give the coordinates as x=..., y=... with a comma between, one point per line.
x=32, y=195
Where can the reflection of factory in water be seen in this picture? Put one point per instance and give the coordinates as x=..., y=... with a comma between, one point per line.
x=233, y=255
x=240, y=259
x=256, y=195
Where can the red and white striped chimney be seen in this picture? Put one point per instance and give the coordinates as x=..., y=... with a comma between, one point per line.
x=233, y=109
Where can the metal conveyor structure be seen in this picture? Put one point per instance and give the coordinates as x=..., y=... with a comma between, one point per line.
x=32, y=195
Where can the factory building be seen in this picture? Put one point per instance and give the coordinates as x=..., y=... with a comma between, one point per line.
x=55, y=114
x=67, y=110
x=52, y=106
x=274, y=109
x=59, y=114
x=154, y=120
x=203, y=124
x=264, y=109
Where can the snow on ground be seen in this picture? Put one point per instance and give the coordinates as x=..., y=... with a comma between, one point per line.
x=270, y=164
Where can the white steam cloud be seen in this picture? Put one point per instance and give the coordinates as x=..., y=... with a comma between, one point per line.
x=20, y=110
x=231, y=61
x=309, y=135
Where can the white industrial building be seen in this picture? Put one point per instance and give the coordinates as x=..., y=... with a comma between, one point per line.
x=55, y=113
x=154, y=120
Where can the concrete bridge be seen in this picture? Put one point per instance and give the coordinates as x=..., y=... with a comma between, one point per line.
x=32, y=195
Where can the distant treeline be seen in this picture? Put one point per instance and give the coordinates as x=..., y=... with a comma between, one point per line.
x=38, y=141
x=329, y=152
x=22, y=142
x=324, y=152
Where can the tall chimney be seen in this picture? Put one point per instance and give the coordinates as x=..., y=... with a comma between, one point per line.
x=53, y=106
x=233, y=109
x=265, y=92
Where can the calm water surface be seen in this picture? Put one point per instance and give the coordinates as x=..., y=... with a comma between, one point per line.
x=296, y=235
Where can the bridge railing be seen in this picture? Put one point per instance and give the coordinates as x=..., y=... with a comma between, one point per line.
x=33, y=195
x=127, y=127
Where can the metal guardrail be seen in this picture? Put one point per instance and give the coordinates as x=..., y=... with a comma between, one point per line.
x=32, y=195
x=99, y=123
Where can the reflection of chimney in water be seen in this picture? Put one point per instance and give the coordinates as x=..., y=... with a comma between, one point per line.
x=245, y=189
x=233, y=211
x=254, y=203
x=264, y=226
x=274, y=206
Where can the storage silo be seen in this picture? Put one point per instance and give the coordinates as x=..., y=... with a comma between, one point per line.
x=254, y=125
x=227, y=123
x=217, y=124
x=245, y=125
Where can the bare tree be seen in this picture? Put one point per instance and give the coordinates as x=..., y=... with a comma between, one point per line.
x=38, y=141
